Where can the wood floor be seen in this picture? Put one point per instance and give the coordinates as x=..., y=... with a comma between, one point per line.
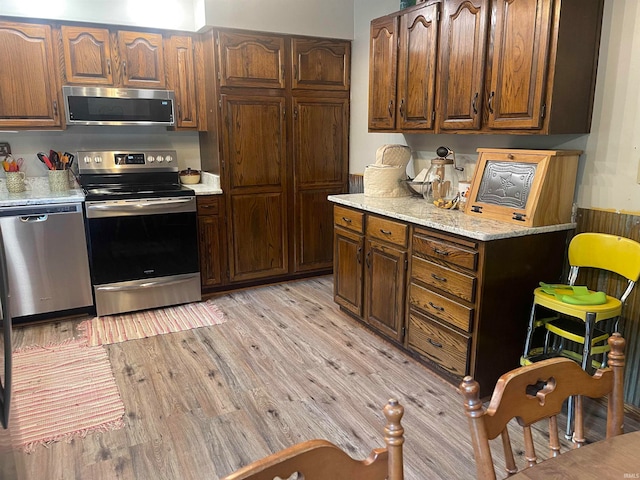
x=287, y=366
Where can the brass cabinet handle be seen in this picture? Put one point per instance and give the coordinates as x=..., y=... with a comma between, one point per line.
x=368, y=262
x=124, y=68
x=108, y=66
x=436, y=307
x=440, y=279
x=440, y=252
x=359, y=255
x=474, y=104
x=346, y=220
x=385, y=232
x=55, y=108
x=403, y=114
x=390, y=108
x=434, y=343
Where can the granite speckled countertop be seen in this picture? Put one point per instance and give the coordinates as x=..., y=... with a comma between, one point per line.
x=37, y=192
x=420, y=212
x=209, y=184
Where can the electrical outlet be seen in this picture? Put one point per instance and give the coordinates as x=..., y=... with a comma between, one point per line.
x=5, y=149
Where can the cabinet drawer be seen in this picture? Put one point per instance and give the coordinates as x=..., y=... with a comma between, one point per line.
x=436, y=248
x=208, y=205
x=443, y=278
x=387, y=230
x=440, y=344
x=438, y=306
x=347, y=218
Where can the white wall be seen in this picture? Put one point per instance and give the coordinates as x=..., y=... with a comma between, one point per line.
x=609, y=168
x=169, y=14
x=321, y=18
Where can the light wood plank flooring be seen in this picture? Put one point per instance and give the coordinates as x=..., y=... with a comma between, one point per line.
x=287, y=366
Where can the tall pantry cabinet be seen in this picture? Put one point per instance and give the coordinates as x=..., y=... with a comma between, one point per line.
x=277, y=133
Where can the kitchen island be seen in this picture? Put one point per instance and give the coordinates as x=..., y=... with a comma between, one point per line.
x=452, y=290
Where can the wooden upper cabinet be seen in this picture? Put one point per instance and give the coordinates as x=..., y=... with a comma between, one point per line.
x=29, y=94
x=142, y=59
x=87, y=55
x=320, y=64
x=179, y=54
x=519, y=68
x=383, y=64
x=98, y=56
x=251, y=60
x=462, y=64
x=417, y=68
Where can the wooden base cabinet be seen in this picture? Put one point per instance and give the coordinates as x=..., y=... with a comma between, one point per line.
x=210, y=228
x=462, y=307
x=348, y=270
x=370, y=264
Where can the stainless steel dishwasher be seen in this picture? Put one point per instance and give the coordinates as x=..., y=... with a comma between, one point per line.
x=47, y=259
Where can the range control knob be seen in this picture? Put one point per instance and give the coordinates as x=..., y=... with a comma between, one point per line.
x=97, y=159
x=87, y=159
x=151, y=159
x=160, y=159
x=168, y=159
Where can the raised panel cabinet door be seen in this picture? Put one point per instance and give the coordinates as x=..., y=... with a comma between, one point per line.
x=320, y=141
x=87, y=55
x=385, y=288
x=462, y=64
x=29, y=94
x=181, y=79
x=348, y=270
x=313, y=226
x=383, y=64
x=254, y=142
x=519, y=66
x=142, y=59
x=417, y=68
x=210, y=254
x=320, y=64
x=258, y=240
x=251, y=60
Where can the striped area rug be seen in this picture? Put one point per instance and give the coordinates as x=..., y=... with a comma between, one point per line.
x=148, y=323
x=61, y=391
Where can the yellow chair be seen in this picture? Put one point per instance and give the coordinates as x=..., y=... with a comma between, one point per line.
x=577, y=322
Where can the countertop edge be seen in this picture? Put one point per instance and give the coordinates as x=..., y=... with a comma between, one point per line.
x=447, y=220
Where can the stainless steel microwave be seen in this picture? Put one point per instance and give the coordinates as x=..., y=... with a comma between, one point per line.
x=118, y=106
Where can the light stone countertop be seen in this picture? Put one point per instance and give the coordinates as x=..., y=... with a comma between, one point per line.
x=209, y=184
x=37, y=192
x=420, y=212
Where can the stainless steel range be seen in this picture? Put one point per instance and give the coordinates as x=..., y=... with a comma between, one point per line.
x=141, y=230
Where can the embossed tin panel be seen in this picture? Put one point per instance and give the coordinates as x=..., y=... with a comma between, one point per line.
x=507, y=184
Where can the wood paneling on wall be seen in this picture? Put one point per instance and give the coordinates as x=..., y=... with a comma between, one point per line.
x=624, y=225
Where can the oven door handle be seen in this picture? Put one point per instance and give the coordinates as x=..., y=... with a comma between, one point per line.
x=146, y=204
x=154, y=283
x=169, y=204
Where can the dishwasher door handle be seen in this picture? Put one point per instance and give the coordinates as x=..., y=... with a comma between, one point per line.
x=34, y=218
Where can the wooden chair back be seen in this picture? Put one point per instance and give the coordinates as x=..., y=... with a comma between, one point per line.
x=536, y=392
x=322, y=460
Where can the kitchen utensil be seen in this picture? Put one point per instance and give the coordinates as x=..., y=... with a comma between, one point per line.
x=71, y=157
x=44, y=159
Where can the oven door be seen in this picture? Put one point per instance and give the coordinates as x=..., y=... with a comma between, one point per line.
x=142, y=239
